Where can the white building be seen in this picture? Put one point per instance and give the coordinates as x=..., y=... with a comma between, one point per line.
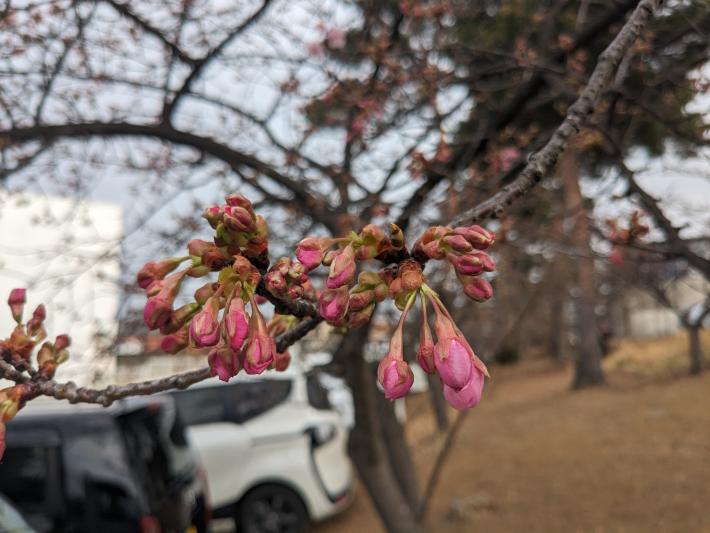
x=66, y=253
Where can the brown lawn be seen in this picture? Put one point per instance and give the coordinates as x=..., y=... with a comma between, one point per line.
x=633, y=456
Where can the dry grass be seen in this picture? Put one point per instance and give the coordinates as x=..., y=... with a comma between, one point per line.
x=630, y=457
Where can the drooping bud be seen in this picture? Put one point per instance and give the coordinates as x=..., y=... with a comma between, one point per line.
x=204, y=326
x=175, y=342
x=155, y=270
x=477, y=236
x=469, y=395
x=224, y=362
x=333, y=304
x=16, y=301
x=342, y=270
x=451, y=357
x=259, y=349
x=236, y=326
x=395, y=376
x=476, y=288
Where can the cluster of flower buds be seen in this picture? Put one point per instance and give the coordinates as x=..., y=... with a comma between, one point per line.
x=218, y=319
x=451, y=356
x=288, y=279
x=237, y=227
x=339, y=303
x=17, y=351
x=463, y=247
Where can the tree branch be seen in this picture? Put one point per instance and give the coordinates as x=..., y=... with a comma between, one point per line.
x=543, y=162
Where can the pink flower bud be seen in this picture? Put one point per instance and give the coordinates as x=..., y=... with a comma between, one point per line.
x=452, y=355
x=275, y=282
x=310, y=251
x=213, y=215
x=176, y=341
x=239, y=200
x=476, y=288
x=246, y=272
x=16, y=301
x=159, y=308
x=281, y=361
x=155, y=270
x=236, y=327
x=259, y=350
x=469, y=395
x=395, y=377
x=457, y=243
x=203, y=293
x=430, y=243
x=373, y=242
x=467, y=265
x=204, y=327
x=478, y=237
x=224, y=362
x=61, y=342
x=333, y=304
x=360, y=317
x=239, y=219
x=342, y=270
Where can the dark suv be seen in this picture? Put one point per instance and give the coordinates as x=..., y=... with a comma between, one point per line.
x=124, y=469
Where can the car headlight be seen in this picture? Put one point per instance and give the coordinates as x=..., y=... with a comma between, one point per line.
x=322, y=433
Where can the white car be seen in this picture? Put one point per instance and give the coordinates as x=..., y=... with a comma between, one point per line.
x=273, y=449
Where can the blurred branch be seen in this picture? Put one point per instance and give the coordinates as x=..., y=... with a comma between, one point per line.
x=543, y=162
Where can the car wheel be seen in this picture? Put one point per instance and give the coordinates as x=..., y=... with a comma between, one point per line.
x=272, y=509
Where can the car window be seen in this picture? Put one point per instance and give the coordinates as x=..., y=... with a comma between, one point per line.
x=204, y=405
x=236, y=402
x=317, y=393
x=245, y=401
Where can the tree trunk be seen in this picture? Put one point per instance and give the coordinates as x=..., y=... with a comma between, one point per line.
x=696, y=350
x=588, y=370
x=400, y=459
x=367, y=448
x=438, y=404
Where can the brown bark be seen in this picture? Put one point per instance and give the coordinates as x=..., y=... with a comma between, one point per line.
x=696, y=350
x=588, y=370
x=367, y=447
x=438, y=404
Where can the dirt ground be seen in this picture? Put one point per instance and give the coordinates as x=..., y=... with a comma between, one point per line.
x=633, y=456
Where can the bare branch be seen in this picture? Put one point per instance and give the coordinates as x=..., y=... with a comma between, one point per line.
x=544, y=161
